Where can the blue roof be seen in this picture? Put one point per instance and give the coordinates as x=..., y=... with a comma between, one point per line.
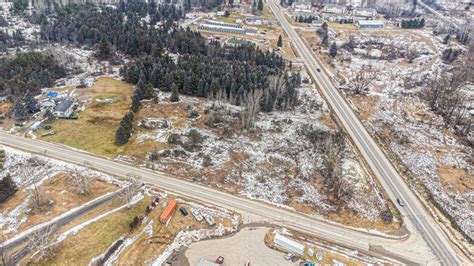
x=52, y=94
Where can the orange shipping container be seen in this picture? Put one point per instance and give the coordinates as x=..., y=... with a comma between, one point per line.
x=165, y=216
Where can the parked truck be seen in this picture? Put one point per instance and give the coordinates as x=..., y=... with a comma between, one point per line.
x=165, y=216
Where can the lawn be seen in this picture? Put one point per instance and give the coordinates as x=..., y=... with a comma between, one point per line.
x=94, y=131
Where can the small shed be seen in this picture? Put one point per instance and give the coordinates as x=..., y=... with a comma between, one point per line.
x=288, y=244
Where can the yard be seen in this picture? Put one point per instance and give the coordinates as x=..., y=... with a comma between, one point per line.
x=106, y=102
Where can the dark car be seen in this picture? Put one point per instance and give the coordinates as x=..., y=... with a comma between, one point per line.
x=183, y=211
x=317, y=69
x=400, y=202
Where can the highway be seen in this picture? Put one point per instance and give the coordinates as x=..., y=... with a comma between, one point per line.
x=353, y=239
x=439, y=15
x=413, y=211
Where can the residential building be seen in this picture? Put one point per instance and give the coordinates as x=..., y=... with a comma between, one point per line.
x=220, y=13
x=366, y=24
x=64, y=109
x=334, y=9
x=302, y=7
x=364, y=12
x=253, y=21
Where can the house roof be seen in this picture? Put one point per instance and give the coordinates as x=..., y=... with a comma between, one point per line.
x=64, y=105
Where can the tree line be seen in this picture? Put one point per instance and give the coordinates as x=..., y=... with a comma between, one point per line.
x=29, y=71
x=416, y=23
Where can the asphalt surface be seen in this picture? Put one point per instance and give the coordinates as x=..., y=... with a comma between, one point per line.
x=350, y=238
x=413, y=211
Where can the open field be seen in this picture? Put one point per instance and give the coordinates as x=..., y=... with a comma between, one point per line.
x=94, y=131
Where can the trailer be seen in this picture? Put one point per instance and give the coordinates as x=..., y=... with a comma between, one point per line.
x=165, y=216
x=288, y=244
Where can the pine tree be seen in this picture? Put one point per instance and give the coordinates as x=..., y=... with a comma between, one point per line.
x=7, y=188
x=447, y=39
x=30, y=103
x=280, y=41
x=333, y=50
x=325, y=26
x=260, y=5
x=174, y=93
x=104, y=49
x=19, y=110
x=124, y=131
x=325, y=40
x=135, y=103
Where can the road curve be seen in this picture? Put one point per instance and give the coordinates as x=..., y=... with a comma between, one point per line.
x=330, y=232
x=394, y=185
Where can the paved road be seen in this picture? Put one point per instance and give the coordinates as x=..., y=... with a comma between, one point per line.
x=439, y=15
x=413, y=211
x=337, y=234
x=56, y=225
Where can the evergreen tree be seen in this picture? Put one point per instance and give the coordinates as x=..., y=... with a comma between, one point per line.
x=174, y=93
x=135, y=103
x=124, y=131
x=260, y=5
x=447, y=39
x=7, y=188
x=280, y=41
x=325, y=40
x=104, y=49
x=30, y=103
x=19, y=110
x=333, y=50
x=325, y=26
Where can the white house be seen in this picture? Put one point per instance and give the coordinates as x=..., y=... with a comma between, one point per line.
x=364, y=12
x=335, y=9
x=64, y=109
x=302, y=7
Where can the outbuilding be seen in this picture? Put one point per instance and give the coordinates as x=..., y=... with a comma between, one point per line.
x=369, y=24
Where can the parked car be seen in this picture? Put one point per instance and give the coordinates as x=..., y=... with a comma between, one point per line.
x=400, y=202
x=183, y=211
x=220, y=260
x=289, y=256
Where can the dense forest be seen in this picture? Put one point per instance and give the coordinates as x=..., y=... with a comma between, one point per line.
x=28, y=72
x=203, y=68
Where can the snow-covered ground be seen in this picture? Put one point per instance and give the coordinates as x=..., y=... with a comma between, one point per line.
x=417, y=136
x=277, y=164
x=23, y=169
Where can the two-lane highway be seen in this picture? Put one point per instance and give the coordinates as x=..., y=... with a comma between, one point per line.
x=392, y=182
x=333, y=233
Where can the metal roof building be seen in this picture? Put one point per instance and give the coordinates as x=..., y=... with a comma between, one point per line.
x=369, y=24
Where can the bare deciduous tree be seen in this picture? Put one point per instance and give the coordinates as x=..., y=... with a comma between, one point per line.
x=131, y=189
x=41, y=243
x=445, y=94
x=80, y=180
x=251, y=102
x=363, y=79
x=29, y=171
